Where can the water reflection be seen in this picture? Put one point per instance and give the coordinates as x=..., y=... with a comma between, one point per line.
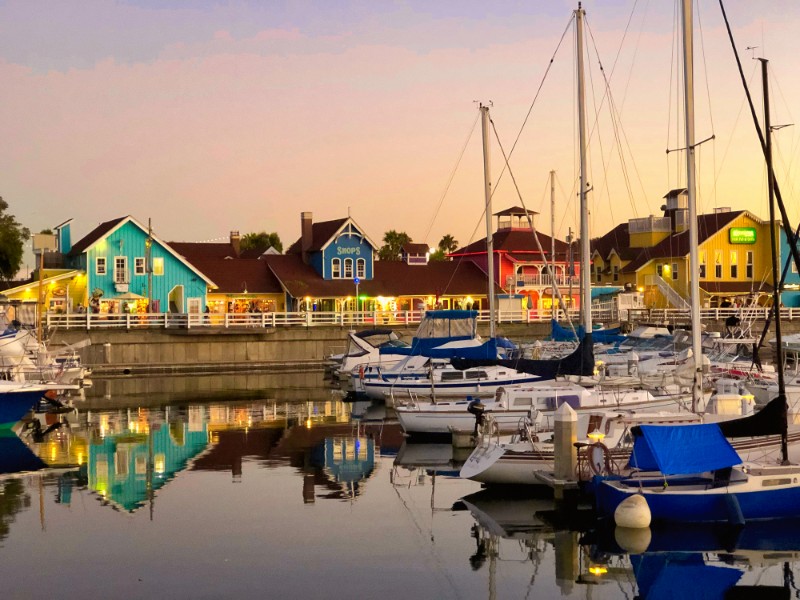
x=129, y=454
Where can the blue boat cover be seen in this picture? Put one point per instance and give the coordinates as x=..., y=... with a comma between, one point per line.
x=682, y=449
x=451, y=314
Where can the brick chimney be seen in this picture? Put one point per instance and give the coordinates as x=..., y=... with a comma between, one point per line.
x=306, y=235
x=236, y=241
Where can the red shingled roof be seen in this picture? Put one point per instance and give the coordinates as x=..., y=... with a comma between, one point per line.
x=232, y=276
x=392, y=278
x=515, y=240
x=94, y=235
x=320, y=234
x=203, y=250
x=677, y=245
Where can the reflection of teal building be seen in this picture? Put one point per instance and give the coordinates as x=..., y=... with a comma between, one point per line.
x=349, y=459
x=127, y=469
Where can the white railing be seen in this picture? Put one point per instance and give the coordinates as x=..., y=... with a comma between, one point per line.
x=537, y=280
x=601, y=313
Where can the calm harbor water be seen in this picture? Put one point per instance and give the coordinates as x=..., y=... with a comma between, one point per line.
x=271, y=486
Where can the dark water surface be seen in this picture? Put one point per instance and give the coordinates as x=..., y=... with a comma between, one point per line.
x=272, y=487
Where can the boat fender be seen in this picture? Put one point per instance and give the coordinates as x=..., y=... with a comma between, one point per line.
x=633, y=512
x=735, y=516
x=599, y=457
x=633, y=541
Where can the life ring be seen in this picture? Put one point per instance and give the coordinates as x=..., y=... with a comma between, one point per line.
x=599, y=457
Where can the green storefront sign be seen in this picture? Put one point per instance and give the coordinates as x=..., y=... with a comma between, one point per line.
x=742, y=235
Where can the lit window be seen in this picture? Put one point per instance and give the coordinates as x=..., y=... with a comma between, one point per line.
x=348, y=268
x=158, y=266
x=336, y=268
x=361, y=268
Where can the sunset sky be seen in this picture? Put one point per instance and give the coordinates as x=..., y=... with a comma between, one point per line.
x=210, y=116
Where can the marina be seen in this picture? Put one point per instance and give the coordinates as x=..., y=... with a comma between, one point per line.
x=610, y=409
x=290, y=497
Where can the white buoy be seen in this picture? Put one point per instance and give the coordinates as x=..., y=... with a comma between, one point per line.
x=633, y=541
x=633, y=512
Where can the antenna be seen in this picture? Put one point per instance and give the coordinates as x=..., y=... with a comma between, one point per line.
x=752, y=51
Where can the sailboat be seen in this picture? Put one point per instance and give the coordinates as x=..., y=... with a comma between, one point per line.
x=692, y=474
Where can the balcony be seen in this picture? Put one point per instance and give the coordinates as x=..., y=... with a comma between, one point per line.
x=521, y=281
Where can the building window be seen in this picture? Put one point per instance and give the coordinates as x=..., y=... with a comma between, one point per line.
x=674, y=271
x=336, y=268
x=599, y=273
x=718, y=264
x=138, y=265
x=749, y=266
x=121, y=269
x=616, y=273
x=348, y=268
x=702, y=264
x=660, y=270
x=361, y=268
x=100, y=265
x=158, y=266
x=734, y=264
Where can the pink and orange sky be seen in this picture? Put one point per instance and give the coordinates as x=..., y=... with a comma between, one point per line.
x=210, y=116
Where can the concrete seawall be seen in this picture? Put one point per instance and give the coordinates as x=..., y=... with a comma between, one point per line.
x=174, y=351
x=290, y=349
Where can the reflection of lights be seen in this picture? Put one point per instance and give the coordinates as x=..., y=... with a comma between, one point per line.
x=640, y=288
x=53, y=452
x=598, y=570
x=159, y=463
x=80, y=458
x=308, y=423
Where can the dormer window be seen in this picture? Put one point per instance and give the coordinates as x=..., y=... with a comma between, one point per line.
x=336, y=268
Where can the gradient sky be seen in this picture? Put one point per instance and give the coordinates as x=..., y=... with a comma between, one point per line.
x=210, y=116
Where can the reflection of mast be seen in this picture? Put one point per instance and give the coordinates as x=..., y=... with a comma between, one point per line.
x=150, y=469
x=41, y=505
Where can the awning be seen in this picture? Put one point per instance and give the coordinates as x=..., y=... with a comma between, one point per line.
x=682, y=449
x=608, y=290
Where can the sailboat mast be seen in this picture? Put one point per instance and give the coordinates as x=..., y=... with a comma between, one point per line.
x=694, y=263
x=776, y=292
x=553, y=241
x=487, y=188
x=586, y=281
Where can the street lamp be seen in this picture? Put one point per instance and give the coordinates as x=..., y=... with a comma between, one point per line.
x=357, y=281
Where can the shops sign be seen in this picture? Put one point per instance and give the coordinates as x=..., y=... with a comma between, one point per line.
x=742, y=235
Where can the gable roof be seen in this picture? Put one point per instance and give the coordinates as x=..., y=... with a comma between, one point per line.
x=515, y=211
x=516, y=241
x=95, y=235
x=677, y=244
x=391, y=279
x=618, y=240
x=414, y=248
x=321, y=233
x=105, y=229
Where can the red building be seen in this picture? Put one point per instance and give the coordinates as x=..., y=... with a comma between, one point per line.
x=520, y=262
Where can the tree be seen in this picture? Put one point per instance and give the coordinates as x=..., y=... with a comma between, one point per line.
x=12, y=238
x=447, y=245
x=393, y=243
x=261, y=241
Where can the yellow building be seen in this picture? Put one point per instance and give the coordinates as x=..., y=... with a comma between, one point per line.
x=651, y=254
